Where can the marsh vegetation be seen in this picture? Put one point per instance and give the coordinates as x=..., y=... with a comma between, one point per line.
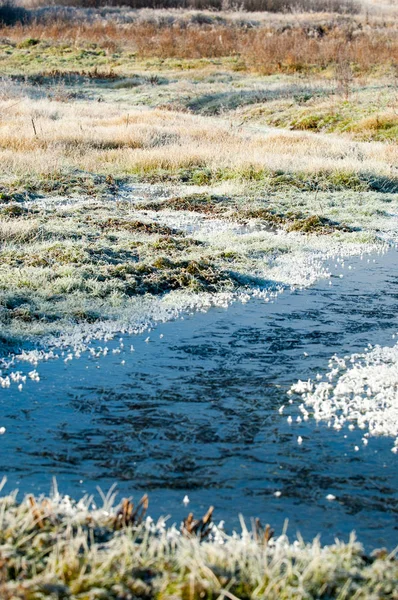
x=174, y=159
x=77, y=551
x=108, y=153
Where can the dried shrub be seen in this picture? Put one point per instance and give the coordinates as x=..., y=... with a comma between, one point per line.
x=275, y=6
x=198, y=527
x=267, y=49
x=128, y=515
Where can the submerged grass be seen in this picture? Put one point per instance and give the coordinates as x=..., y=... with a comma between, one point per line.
x=57, y=548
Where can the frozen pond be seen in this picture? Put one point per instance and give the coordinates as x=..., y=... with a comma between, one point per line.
x=194, y=410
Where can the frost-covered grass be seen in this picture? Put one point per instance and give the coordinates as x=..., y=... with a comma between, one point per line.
x=88, y=260
x=58, y=548
x=41, y=140
x=366, y=112
x=133, y=188
x=126, y=182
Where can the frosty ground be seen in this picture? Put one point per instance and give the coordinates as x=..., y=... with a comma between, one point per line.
x=139, y=181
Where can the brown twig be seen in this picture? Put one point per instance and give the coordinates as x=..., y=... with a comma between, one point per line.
x=262, y=534
x=198, y=527
x=128, y=516
x=34, y=126
x=36, y=512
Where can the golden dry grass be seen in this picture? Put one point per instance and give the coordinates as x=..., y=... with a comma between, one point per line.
x=292, y=43
x=43, y=137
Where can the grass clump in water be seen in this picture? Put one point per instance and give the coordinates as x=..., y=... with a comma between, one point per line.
x=201, y=203
x=291, y=221
x=315, y=224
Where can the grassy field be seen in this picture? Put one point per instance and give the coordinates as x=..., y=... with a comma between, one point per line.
x=117, y=135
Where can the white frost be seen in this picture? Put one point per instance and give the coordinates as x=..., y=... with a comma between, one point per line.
x=359, y=390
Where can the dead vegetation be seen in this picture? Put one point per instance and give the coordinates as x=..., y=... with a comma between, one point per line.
x=291, y=45
x=339, y=6
x=130, y=516
x=198, y=527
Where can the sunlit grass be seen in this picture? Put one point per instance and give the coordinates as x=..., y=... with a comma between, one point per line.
x=42, y=137
x=124, y=178
x=58, y=548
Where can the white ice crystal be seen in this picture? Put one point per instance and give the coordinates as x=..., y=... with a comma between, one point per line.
x=361, y=391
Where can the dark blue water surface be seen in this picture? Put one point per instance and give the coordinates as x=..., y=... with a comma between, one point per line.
x=196, y=412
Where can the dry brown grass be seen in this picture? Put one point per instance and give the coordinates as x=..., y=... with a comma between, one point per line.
x=296, y=46
x=101, y=139
x=297, y=51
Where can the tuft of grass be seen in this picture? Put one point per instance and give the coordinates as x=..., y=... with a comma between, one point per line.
x=315, y=224
x=382, y=127
x=199, y=202
x=292, y=221
x=28, y=43
x=59, y=548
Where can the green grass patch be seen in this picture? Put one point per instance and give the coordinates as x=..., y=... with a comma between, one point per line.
x=274, y=181
x=367, y=114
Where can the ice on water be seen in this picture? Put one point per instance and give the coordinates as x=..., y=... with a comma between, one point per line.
x=360, y=390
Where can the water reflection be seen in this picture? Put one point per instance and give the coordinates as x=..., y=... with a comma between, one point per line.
x=197, y=412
